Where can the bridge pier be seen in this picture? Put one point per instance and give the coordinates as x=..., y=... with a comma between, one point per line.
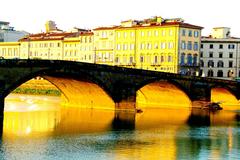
x=129, y=103
x=124, y=95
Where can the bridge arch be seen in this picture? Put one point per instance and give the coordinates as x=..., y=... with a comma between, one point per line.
x=81, y=90
x=223, y=94
x=168, y=93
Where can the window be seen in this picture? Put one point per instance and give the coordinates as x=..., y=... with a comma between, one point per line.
x=156, y=33
x=162, y=58
x=132, y=34
x=131, y=46
x=142, y=46
x=211, y=46
x=183, y=32
x=124, y=34
x=116, y=59
x=189, y=59
x=149, y=33
x=163, y=45
x=149, y=46
x=201, y=45
x=210, y=73
x=220, y=55
x=196, y=33
x=231, y=46
x=141, y=59
x=170, y=32
x=189, y=47
x=201, y=54
x=220, y=64
x=155, y=59
x=119, y=34
x=131, y=60
x=182, y=59
x=220, y=73
x=220, y=46
x=170, y=45
x=142, y=33
x=230, y=54
x=210, y=63
x=230, y=64
x=190, y=33
x=169, y=58
x=195, y=47
x=118, y=47
x=163, y=33
x=210, y=54
x=183, y=45
x=156, y=45
x=195, y=57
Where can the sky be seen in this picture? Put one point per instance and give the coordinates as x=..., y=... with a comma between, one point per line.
x=31, y=15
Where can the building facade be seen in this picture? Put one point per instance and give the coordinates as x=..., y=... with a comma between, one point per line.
x=8, y=34
x=167, y=45
x=220, y=55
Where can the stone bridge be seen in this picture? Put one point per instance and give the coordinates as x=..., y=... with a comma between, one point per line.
x=94, y=85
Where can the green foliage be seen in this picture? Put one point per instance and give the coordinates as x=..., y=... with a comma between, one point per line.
x=48, y=92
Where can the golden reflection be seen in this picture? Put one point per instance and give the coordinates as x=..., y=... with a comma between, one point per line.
x=77, y=120
x=162, y=94
x=151, y=118
x=82, y=94
x=47, y=117
x=30, y=123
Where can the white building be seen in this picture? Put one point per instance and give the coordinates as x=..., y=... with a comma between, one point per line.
x=8, y=34
x=220, y=55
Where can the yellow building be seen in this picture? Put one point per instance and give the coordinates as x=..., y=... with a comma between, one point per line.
x=157, y=44
x=104, y=43
x=167, y=45
x=9, y=50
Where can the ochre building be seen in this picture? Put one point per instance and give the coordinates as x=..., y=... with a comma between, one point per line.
x=167, y=45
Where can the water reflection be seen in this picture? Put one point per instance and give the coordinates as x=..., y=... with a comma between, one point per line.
x=74, y=133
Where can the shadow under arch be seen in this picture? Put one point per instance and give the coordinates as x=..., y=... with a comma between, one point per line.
x=162, y=93
x=78, y=82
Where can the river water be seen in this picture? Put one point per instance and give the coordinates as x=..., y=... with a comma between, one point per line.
x=37, y=127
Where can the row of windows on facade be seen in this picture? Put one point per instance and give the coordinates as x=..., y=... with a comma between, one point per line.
x=220, y=64
x=6, y=51
x=147, y=59
x=219, y=46
x=189, y=59
x=220, y=55
x=147, y=46
x=189, y=45
x=46, y=45
x=210, y=73
x=156, y=33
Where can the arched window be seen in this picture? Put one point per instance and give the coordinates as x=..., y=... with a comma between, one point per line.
x=201, y=63
x=195, y=59
x=220, y=64
x=189, y=59
x=182, y=59
x=210, y=73
x=220, y=73
x=210, y=63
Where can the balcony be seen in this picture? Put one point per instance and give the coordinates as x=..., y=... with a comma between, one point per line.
x=155, y=64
